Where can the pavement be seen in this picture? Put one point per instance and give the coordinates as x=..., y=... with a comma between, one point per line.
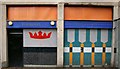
x=59, y=68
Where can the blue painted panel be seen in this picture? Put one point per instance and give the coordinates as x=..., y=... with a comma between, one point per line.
x=66, y=58
x=31, y=24
x=68, y=24
x=88, y=24
x=76, y=59
x=98, y=58
x=87, y=58
x=108, y=58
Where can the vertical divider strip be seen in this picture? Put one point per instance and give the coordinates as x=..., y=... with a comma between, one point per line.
x=4, y=38
x=0, y=35
x=114, y=37
x=60, y=34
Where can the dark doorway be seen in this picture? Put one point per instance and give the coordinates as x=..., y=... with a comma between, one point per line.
x=15, y=47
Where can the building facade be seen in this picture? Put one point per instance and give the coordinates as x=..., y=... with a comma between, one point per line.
x=59, y=34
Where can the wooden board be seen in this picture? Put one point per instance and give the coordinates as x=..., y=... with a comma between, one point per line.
x=88, y=13
x=50, y=13
x=32, y=13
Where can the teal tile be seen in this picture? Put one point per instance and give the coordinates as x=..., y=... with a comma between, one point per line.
x=66, y=58
x=76, y=59
x=87, y=58
x=98, y=58
x=108, y=58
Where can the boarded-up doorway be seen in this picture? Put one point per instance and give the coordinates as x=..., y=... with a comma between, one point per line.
x=15, y=48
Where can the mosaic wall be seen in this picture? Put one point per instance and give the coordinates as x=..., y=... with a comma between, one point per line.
x=87, y=47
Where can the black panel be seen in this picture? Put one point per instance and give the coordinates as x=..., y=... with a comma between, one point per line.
x=115, y=50
x=70, y=49
x=40, y=56
x=103, y=49
x=92, y=49
x=82, y=49
x=15, y=48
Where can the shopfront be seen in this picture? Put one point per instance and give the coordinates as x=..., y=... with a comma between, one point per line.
x=39, y=36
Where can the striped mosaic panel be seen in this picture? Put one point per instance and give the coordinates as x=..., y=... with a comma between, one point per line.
x=87, y=47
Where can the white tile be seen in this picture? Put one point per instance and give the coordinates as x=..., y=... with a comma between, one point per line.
x=108, y=49
x=76, y=49
x=66, y=49
x=98, y=49
x=87, y=49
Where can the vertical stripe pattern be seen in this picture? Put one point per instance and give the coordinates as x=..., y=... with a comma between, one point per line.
x=103, y=54
x=70, y=59
x=93, y=46
x=82, y=55
x=87, y=47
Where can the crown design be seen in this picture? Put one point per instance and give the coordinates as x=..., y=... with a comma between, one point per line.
x=39, y=35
